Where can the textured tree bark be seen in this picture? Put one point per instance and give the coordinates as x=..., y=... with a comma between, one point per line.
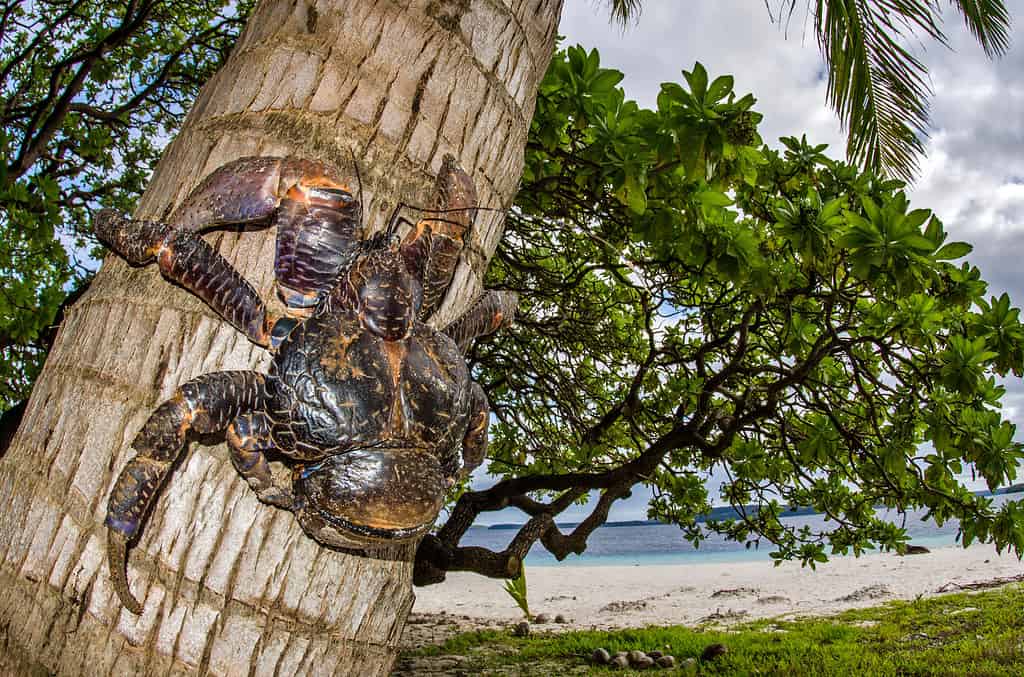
x=231, y=586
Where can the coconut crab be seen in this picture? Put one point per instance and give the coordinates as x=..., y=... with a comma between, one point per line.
x=368, y=403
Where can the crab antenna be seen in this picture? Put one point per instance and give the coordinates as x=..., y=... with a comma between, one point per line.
x=359, y=182
x=394, y=220
x=452, y=210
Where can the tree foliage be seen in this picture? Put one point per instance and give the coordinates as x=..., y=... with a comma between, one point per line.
x=91, y=91
x=695, y=302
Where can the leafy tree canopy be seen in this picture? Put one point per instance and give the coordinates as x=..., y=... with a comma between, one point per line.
x=694, y=301
x=91, y=91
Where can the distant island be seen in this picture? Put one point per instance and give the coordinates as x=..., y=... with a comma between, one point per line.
x=727, y=511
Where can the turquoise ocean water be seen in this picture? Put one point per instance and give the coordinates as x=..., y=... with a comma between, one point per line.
x=664, y=544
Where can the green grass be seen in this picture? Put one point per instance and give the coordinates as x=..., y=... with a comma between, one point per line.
x=965, y=634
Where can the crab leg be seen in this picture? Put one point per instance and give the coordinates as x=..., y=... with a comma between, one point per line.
x=318, y=226
x=246, y=190
x=490, y=312
x=431, y=251
x=248, y=437
x=474, y=443
x=317, y=218
x=205, y=405
x=187, y=259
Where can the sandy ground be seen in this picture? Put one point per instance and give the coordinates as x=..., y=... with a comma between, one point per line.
x=626, y=596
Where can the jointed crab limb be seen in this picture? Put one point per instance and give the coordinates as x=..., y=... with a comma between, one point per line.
x=487, y=314
x=248, y=437
x=187, y=259
x=248, y=190
x=318, y=228
x=432, y=249
x=205, y=405
x=474, y=444
x=316, y=216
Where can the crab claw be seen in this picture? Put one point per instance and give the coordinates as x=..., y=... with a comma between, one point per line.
x=117, y=551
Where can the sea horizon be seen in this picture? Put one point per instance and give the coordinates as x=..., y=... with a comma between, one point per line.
x=643, y=543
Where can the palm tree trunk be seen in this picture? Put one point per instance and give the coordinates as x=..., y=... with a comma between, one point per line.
x=229, y=585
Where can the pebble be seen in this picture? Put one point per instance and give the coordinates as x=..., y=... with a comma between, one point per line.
x=666, y=661
x=541, y=619
x=634, y=656
x=561, y=619
x=655, y=654
x=713, y=651
x=601, y=656
x=620, y=661
x=522, y=629
x=643, y=662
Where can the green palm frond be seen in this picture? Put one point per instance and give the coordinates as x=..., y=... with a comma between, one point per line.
x=989, y=21
x=877, y=85
x=624, y=10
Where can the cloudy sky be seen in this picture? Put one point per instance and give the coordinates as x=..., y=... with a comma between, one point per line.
x=973, y=176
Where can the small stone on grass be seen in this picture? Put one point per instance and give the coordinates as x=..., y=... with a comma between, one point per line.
x=713, y=651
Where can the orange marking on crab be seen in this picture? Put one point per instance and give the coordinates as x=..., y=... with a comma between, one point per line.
x=234, y=439
x=302, y=191
x=385, y=523
x=323, y=181
x=335, y=358
x=395, y=353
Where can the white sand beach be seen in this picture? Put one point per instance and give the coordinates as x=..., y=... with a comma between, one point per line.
x=607, y=597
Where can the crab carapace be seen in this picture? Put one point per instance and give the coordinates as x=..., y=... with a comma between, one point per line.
x=372, y=407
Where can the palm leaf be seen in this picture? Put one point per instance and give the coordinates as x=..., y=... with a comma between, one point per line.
x=624, y=10
x=989, y=21
x=877, y=85
x=516, y=588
